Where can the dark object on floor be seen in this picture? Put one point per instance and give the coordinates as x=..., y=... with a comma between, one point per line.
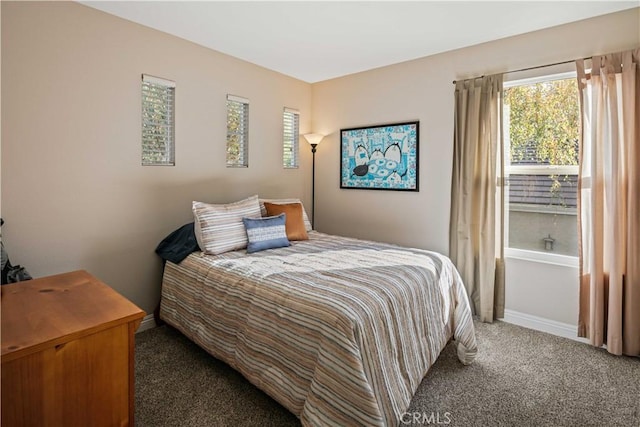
x=11, y=273
x=14, y=274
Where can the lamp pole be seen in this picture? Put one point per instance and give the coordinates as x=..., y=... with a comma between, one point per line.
x=313, y=139
x=313, y=185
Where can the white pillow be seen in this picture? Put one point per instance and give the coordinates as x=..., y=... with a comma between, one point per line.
x=305, y=218
x=219, y=228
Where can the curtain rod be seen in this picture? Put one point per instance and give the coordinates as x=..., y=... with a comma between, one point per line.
x=533, y=68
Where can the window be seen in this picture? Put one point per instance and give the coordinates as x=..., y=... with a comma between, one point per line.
x=158, y=121
x=541, y=123
x=290, y=138
x=237, y=132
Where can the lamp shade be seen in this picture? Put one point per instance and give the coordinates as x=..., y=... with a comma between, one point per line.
x=313, y=138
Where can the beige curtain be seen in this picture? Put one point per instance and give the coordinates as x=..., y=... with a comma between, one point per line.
x=473, y=245
x=609, y=207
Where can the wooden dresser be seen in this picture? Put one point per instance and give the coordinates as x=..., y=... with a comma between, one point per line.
x=67, y=353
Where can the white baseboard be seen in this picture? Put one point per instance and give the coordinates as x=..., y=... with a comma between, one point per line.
x=148, y=322
x=530, y=321
x=549, y=326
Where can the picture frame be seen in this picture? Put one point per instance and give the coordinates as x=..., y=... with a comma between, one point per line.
x=380, y=157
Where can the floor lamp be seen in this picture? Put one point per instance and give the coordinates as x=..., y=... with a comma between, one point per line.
x=313, y=139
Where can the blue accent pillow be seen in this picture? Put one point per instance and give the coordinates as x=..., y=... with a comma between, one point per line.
x=266, y=233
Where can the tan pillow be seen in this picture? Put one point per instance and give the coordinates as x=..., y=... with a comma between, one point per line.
x=294, y=223
x=307, y=223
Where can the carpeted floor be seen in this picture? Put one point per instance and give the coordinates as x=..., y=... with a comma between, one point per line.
x=520, y=378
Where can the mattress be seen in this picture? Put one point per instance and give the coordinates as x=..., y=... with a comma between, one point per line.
x=340, y=331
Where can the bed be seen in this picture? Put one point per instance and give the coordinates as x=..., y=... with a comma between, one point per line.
x=340, y=331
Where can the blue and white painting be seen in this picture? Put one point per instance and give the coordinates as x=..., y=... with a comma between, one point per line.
x=380, y=157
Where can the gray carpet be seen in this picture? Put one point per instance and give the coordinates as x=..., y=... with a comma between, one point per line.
x=520, y=378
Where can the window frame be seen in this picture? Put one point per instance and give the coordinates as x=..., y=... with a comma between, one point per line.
x=235, y=103
x=528, y=254
x=151, y=91
x=291, y=143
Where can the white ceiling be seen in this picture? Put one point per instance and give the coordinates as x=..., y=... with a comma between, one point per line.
x=320, y=40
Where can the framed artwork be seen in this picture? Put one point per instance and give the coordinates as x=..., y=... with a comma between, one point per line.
x=381, y=157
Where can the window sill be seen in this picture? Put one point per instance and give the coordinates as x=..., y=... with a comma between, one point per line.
x=542, y=257
x=542, y=209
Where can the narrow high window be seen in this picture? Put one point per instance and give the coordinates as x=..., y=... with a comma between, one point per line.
x=290, y=138
x=158, y=121
x=237, y=132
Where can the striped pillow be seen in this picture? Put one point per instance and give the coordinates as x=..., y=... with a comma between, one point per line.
x=219, y=228
x=305, y=218
x=266, y=233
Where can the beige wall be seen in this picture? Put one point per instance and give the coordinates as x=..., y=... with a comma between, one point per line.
x=422, y=89
x=0, y=117
x=74, y=195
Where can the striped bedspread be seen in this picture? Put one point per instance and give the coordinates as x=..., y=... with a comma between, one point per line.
x=340, y=331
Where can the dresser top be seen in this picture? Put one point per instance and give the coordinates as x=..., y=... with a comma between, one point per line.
x=49, y=311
